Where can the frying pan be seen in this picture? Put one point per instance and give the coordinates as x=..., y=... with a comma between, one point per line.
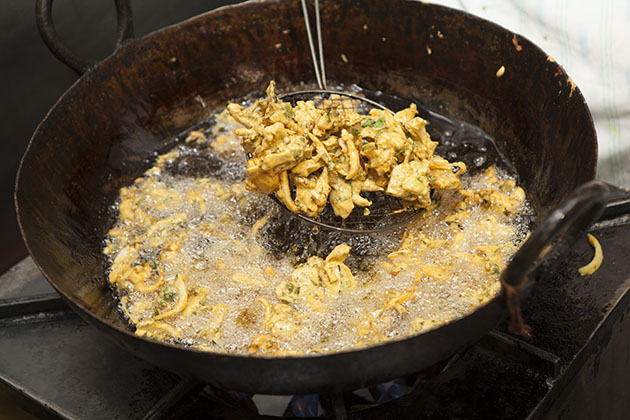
x=105, y=130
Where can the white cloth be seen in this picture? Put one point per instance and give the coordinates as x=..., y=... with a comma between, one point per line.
x=591, y=40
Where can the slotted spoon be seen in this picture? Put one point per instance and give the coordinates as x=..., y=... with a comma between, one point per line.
x=386, y=212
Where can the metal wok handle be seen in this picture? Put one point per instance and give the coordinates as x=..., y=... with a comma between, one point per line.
x=43, y=14
x=558, y=232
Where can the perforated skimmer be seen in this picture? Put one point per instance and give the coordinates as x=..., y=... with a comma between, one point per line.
x=386, y=212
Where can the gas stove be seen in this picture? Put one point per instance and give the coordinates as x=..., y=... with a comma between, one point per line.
x=574, y=366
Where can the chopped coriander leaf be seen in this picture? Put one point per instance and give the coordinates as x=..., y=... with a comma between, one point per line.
x=288, y=112
x=169, y=295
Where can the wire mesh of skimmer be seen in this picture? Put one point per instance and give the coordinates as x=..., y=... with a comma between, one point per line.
x=386, y=212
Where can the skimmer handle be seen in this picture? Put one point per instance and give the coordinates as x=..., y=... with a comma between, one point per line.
x=320, y=70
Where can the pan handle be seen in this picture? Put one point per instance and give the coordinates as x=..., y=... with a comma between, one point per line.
x=558, y=232
x=43, y=14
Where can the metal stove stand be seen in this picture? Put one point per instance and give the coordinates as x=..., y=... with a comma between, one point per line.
x=575, y=366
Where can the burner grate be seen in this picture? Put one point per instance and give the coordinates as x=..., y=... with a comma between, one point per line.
x=55, y=365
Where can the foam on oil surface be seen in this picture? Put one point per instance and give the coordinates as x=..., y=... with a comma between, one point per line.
x=220, y=243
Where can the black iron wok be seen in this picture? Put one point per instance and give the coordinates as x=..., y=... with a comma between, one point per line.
x=105, y=129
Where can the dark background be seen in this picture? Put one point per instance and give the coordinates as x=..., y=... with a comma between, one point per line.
x=32, y=79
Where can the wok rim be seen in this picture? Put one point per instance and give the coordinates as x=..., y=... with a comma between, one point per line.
x=88, y=315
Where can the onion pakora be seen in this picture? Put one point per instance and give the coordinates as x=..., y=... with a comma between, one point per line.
x=190, y=261
x=332, y=154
